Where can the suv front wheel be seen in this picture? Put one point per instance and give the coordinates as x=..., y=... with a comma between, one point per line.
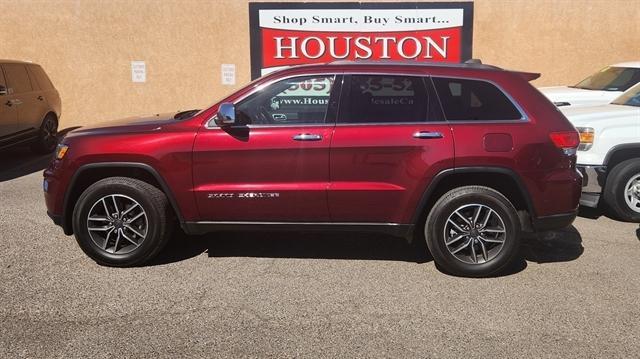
x=622, y=191
x=473, y=231
x=122, y=222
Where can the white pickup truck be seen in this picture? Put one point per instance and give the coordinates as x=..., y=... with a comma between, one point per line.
x=598, y=89
x=609, y=154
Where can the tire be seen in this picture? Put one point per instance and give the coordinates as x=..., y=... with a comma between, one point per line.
x=122, y=246
x=495, y=209
x=625, y=176
x=47, y=136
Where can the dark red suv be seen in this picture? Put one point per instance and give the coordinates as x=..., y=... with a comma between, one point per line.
x=469, y=155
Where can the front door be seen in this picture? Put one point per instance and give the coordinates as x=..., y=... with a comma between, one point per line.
x=390, y=141
x=272, y=165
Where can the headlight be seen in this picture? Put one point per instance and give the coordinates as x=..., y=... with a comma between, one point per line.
x=61, y=151
x=586, y=138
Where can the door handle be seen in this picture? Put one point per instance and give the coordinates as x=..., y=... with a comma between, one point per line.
x=307, y=137
x=40, y=98
x=427, y=135
x=9, y=103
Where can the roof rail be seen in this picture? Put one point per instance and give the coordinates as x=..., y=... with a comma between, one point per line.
x=472, y=63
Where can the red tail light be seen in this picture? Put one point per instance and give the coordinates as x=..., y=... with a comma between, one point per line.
x=566, y=139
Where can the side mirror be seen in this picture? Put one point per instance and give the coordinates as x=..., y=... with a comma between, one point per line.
x=3, y=90
x=226, y=114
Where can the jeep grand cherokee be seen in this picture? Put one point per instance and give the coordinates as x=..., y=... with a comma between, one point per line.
x=467, y=156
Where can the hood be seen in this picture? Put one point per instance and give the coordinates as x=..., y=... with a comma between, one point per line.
x=135, y=124
x=578, y=97
x=598, y=116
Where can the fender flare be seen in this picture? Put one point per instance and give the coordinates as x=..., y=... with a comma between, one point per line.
x=143, y=166
x=616, y=148
x=440, y=176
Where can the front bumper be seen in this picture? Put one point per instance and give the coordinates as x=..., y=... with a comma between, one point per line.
x=593, y=178
x=57, y=219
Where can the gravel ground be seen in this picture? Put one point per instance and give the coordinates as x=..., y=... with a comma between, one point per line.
x=574, y=293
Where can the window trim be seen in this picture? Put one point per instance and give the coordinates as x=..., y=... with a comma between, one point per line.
x=210, y=123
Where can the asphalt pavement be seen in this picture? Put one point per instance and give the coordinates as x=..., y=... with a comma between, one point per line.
x=574, y=293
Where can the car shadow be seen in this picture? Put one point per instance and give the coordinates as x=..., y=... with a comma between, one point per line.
x=561, y=245
x=307, y=245
x=19, y=161
x=546, y=247
x=591, y=213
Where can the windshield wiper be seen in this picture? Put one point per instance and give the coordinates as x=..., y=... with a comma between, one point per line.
x=185, y=114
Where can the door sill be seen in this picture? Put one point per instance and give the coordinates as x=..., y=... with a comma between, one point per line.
x=394, y=229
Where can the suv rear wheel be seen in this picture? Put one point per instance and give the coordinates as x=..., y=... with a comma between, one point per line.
x=622, y=190
x=121, y=222
x=47, y=136
x=473, y=231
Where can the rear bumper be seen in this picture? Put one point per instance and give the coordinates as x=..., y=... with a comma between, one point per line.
x=593, y=178
x=556, y=221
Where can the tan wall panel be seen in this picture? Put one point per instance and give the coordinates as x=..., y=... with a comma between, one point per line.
x=86, y=46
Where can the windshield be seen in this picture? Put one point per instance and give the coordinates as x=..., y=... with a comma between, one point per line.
x=611, y=79
x=630, y=98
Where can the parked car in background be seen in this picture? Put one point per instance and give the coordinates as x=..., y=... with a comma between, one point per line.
x=468, y=155
x=29, y=106
x=597, y=89
x=609, y=153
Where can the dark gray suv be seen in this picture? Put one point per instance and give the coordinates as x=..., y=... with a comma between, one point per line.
x=29, y=106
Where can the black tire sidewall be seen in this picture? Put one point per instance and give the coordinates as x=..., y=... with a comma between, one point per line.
x=455, y=199
x=138, y=255
x=40, y=146
x=615, y=190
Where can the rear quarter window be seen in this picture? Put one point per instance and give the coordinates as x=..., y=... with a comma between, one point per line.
x=474, y=100
x=40, y=77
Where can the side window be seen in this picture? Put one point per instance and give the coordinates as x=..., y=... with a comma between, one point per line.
x=36, y=72
x=3, y=83
x=17, y=78
x=384, y=99
x=295, y=101
x=473, y=100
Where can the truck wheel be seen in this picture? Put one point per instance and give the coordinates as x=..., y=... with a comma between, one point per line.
x=122, y=222
x=473, y=231
x=622, y=190
x=47, y=136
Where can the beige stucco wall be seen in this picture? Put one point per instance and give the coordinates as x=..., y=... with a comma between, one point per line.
x=86, y=46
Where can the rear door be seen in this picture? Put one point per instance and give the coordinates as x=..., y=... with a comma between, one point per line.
x=389, y=142
x=8, y=112
x=273, y=164
x=25, y=97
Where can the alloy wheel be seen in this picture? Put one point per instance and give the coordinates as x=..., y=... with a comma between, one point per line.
x=117, y=224
x=474, y=234
x=49, y=132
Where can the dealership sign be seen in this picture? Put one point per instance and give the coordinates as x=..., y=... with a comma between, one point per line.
x=286, y=34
